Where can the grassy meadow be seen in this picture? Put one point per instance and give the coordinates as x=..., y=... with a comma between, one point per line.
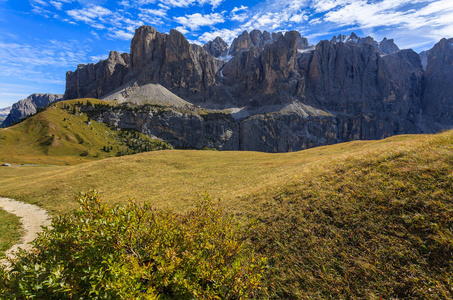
x=359, y=220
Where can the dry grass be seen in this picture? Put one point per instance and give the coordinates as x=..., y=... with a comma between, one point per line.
x=377, y=225
x=166, y=178
x=360, y=220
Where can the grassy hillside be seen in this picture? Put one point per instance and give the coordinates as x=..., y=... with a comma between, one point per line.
x=168, y=178
x=372, y=226
x=360, y=220
x=62, y=135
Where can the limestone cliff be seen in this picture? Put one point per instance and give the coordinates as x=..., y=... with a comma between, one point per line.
x=364, y=88
x=437, y=103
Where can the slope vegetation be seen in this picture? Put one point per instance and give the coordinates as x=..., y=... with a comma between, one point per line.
x=63, y=135
x=361, y=220
x=374, y=226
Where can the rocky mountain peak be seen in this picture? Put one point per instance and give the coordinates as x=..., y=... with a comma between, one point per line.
x=261, y=39
x=344, y=38
x=217, y=48
x=145, y=46
x=241, y=43
x=296, y=40
x=388, y=46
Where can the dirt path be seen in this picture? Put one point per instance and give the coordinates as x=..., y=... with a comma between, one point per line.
x=32, y=218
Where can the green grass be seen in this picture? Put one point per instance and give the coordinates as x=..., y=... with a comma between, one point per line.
x=360, y=220
x=62, y=135
x=10, y=231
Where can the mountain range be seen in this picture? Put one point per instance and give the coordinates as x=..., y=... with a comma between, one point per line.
x=270, y=92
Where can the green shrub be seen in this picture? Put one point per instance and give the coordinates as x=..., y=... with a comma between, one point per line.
x=137, y=252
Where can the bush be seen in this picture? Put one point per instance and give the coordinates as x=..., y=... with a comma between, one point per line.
x=136, y=252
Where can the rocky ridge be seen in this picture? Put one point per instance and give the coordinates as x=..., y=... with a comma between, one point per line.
x=29, y=106
x=275, y=92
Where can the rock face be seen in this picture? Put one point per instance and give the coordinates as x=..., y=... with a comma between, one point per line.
x=96, y=80
x=283, y=93
x=217, y=47
x=388, y=46
x=29, y=106
x=194, y=129
x=438, y=96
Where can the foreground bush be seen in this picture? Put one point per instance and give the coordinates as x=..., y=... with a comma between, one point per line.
x=136, y=252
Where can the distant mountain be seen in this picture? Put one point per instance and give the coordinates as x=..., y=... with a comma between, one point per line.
x=4, y=112
x=28, y=106
x=273, y=92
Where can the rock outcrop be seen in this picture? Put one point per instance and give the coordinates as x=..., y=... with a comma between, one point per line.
x=96, y=80
x=437, y=103
x=29, y=106
x=364, y=88
x=193, y=128
x=388, y=46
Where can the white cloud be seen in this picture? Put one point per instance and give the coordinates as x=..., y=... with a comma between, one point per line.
x=239, y=17
x=228, y=35
x=182, y=29
x=388, y=13
x=121, y=34
x=298, y=18
x=97, y=58
x=44, y=63
x=214, y=3
x=172, y=3
x=326, y=5
x=195, y=21
x=56, y=4
x=236, y=9
x=152, y=16
x=89, y=14
x=178, y=3
x=124, y=3
x=154, y=12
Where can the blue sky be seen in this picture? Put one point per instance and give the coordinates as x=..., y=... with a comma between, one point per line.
x=40, y=40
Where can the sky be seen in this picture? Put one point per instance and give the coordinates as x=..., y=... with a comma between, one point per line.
x=41, y=40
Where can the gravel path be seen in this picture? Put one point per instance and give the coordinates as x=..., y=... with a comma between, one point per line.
x=32, y=218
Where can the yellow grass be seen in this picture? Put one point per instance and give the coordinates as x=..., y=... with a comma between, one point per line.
x=359, y=220
x=172, y=178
